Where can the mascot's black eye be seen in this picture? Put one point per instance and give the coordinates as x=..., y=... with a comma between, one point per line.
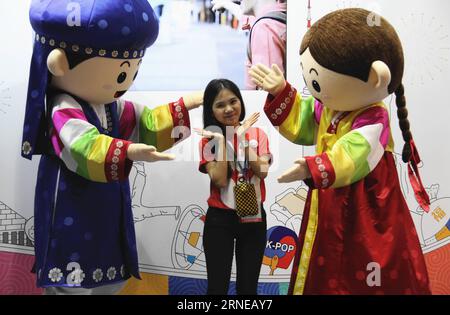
x=122, y=77
x=316, y=86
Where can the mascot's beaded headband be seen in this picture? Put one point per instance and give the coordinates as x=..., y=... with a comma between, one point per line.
x=89, y=51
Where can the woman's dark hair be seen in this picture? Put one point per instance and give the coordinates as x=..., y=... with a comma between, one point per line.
x=346, y=42
x=211, y=91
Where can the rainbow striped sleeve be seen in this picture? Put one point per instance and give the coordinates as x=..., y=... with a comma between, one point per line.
x=297, y=118
x=356, y=153
x=162, y=127
x=82, y=148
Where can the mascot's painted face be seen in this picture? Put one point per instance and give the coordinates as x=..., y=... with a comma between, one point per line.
x=97, y=80
x=343, y=92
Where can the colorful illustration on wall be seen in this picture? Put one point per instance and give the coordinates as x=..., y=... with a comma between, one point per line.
x=16, y=253
x=434, y=234
x=280, y=248
x=187, y=246
x=288, y=207
x=15, y=231
x=435, y=225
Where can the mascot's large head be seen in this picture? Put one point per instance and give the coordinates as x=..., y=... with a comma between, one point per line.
x=69, y=34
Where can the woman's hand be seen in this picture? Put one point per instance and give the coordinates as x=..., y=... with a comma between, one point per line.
x=193, y=100
x=246, y=124
x=217, y=169
x=147, y=153
x=269, y=79
x=298, y=172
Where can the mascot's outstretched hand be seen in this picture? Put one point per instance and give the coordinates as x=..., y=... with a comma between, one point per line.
x=298, y=172
x=193, y=100
x=269, y=79
x=147, y=153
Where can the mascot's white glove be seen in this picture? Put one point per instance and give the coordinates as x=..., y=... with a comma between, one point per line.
x=269, y=79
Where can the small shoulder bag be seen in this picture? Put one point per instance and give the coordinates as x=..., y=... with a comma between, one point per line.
x=245, y=194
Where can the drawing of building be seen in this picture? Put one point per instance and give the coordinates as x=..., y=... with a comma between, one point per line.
x=12, y=228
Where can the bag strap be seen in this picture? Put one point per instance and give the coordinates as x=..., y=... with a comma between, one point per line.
x=244, y=169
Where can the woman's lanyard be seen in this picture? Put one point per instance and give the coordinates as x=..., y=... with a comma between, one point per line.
x=241, y=168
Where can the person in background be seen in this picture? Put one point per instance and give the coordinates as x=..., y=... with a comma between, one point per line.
x=266, y=20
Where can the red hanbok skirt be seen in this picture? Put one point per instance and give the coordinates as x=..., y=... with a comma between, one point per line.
x=365, y=241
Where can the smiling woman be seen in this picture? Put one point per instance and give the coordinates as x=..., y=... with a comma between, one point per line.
x=236, y=157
